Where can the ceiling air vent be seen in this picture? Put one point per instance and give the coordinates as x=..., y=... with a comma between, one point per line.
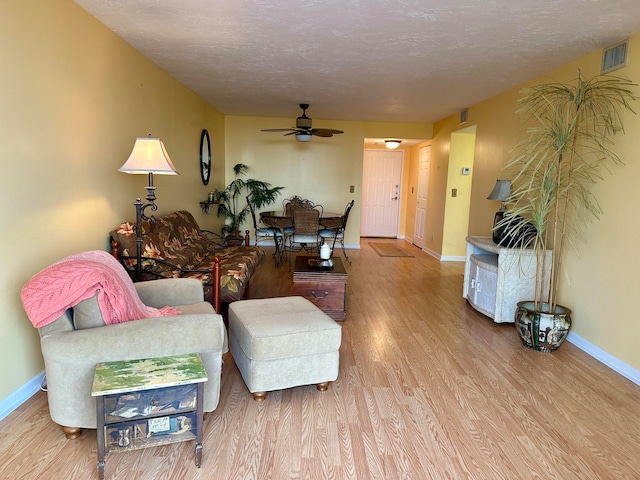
x=463, y=116
x=615, y=56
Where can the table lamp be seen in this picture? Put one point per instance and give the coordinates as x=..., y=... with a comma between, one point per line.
x=501, y=192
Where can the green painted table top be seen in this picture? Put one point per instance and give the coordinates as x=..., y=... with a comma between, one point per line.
x=135, y=375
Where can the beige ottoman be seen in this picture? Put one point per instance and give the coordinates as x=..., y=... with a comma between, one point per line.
x=283, y=342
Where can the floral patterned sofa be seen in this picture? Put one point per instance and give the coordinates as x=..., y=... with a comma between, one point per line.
x=177, y=247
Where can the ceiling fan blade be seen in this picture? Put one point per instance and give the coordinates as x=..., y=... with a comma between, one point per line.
x=278, y=130
x=320, y=133
x=325, y=132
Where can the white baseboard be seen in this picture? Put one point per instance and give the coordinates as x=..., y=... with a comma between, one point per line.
x=24, y=393
x=439, y=257
x=452, y=259
x=609, y=360
x=435, y=255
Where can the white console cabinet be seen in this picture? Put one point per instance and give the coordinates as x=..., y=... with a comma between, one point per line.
x=497, y=278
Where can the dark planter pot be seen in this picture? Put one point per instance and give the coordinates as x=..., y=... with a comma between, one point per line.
x=541, y=330
x=234, y=238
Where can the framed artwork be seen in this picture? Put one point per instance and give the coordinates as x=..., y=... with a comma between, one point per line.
x=205, y=157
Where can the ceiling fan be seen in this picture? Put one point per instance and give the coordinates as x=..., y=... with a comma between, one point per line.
x=303, y=130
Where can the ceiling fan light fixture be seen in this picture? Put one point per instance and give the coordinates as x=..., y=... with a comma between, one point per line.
x=303, y=137
x=392, y=143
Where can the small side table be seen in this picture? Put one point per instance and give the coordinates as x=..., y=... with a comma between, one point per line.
x=145, y=403
x=327, y=289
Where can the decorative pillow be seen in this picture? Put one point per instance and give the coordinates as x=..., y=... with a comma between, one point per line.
x=125, y=236
x=87, y=314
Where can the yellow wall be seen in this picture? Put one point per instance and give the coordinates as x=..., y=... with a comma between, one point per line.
x=321, y=170
x=457, y=207
x=438, y=179
x=74, y=97
x=600, y=284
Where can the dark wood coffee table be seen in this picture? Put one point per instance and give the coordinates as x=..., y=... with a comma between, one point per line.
x=327, y=289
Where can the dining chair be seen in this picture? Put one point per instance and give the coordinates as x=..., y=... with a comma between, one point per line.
x=337, y=232
x=292, y=203
x=263, y=233
x=306, y=225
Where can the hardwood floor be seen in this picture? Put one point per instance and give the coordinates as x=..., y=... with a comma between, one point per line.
x=428, y=389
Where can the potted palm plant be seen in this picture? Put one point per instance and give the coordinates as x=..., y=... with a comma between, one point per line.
x=567, y=145
x=232, y=201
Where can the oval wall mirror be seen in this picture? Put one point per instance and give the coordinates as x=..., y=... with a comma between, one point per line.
x=205, y=157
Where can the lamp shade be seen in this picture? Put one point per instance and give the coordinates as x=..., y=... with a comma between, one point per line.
x=392, y=143
x=148, y=156
x=501, y=191
x=303, y=137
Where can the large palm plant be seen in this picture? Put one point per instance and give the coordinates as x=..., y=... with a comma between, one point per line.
x=232, y=205
x=566, y=147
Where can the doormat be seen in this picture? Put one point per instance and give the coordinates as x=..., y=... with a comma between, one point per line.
x=389, y=250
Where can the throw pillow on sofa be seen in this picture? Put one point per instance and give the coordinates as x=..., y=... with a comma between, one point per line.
x=87, y=314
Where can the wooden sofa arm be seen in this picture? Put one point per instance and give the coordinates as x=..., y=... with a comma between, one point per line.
x=215, y=272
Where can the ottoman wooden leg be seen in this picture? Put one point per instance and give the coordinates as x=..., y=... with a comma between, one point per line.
x=323, y=386
x=259, y=396
x=71, y=432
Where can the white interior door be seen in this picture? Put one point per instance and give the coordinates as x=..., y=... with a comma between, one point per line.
x=381, y=177
x=421, y=196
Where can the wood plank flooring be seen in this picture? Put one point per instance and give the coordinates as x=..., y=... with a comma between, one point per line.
x=428, y=389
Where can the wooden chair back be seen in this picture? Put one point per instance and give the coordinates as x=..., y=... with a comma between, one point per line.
x=306, y=221
x=296, y=202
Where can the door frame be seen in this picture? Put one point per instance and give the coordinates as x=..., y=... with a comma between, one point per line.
x=422, y=244
x=401, y=197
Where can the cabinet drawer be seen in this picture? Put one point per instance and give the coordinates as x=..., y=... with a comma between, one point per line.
x=326, y=296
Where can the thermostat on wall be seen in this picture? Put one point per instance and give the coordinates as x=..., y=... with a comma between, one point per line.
x=466, y=170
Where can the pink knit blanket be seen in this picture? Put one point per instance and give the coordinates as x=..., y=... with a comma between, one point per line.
x=48, y=294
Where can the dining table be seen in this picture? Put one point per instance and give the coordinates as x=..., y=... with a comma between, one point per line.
x=279, y=220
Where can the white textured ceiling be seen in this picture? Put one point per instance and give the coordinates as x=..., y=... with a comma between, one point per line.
x=362, y=60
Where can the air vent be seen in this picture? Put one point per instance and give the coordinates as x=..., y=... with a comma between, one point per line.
x=463, y=116
x=615, y=56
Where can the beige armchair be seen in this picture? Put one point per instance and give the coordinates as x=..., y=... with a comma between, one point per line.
x=71, y=354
